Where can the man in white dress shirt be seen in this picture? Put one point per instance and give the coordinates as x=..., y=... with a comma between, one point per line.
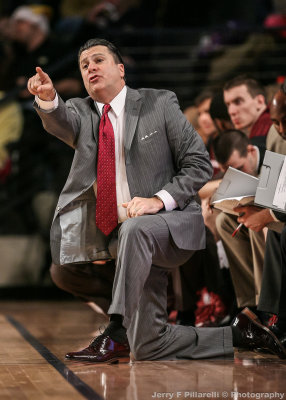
x=161, y=163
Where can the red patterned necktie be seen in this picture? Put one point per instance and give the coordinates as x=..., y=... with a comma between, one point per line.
x=106, y=204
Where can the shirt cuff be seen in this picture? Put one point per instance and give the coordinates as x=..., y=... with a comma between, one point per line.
x=274, y=216
x=169, y=202
x=47, y=105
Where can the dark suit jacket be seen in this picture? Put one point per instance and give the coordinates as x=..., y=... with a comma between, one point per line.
x=162, y=151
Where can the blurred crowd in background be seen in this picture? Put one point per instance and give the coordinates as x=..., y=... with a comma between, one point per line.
x=190, y=49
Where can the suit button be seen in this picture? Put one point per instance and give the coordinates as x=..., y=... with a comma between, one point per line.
x=58, y=208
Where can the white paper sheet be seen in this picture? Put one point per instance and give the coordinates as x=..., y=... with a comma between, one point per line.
x=279, y=199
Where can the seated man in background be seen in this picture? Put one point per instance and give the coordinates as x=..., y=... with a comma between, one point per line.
x=245, y=251
x=273, y=290
x=272, y=297
x=246, y=103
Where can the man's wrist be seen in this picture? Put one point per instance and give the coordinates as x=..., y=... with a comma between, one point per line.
x=160, y=202
x=50, y=98
x=169, y=202
x=47, y=105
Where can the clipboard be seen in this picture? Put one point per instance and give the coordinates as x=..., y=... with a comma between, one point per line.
x=269, y=177
x=235, y=183
x=236, y=188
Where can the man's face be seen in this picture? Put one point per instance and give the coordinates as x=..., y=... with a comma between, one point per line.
x=245, y=164
x=244, y=110
x=204, y=119
x=278, y=113
x=102, y=77
x=22, y=31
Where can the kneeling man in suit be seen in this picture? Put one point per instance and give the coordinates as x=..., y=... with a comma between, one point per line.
x=130, y=195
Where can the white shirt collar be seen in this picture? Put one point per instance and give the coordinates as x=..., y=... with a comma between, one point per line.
x=117, y=104
x=258, y=158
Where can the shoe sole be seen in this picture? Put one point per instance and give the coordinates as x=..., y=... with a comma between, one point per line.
x=119, y=361
x=253, y=317
x=115, y=360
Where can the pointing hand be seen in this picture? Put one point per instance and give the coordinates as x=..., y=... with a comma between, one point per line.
x=41, y=85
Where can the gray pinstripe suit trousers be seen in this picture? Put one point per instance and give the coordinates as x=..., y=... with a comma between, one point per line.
x=145, y=254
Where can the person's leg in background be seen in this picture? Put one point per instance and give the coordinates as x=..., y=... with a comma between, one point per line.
x=89, y=282
x=279, y=327
x=240, y=256
x=271, y=280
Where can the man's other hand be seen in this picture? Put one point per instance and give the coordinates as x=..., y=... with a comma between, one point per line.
x=140, y=206
x=253, y=217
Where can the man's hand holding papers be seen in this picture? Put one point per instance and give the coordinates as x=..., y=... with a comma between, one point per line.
x=253, y=217
x=235, y=195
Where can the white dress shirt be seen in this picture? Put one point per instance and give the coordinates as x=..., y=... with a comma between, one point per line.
x=117, y=119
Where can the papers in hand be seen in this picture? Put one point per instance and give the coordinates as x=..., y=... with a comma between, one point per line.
x=237, y=188
x=271, y=189
x=279, y=199
x=227, y=204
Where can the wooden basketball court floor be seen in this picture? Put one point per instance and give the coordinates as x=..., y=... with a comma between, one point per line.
x=35, y=335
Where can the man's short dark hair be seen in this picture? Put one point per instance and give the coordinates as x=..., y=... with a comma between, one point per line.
x=228, y=141
x=102, y=42
x=253, y=86
x=218, y=108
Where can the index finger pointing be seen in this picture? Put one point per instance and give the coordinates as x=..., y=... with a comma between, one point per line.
x=41, y=73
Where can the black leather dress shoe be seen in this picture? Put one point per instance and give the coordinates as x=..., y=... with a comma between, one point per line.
x=102, y=349
x=255, y=335
x=281, y=335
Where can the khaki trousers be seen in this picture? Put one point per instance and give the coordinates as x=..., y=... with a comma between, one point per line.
x=245, y=253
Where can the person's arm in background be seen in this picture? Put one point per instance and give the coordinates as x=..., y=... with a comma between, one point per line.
x=253, y=217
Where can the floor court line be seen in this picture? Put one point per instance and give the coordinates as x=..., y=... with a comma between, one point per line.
x=66, y=373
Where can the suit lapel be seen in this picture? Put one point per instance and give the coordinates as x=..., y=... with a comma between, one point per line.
x=95, y=119
x=132, y=109
x=133, y=104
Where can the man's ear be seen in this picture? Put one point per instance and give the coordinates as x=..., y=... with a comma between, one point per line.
x=260, y=99
x=250, y=148
x=122, y=70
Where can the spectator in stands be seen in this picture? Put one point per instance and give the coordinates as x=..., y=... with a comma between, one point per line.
x=32, y=31
x=246, y=104
x=207, y=129
x=41, y=161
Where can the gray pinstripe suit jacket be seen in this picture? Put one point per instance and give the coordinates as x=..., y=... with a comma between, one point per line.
x=162, y=151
